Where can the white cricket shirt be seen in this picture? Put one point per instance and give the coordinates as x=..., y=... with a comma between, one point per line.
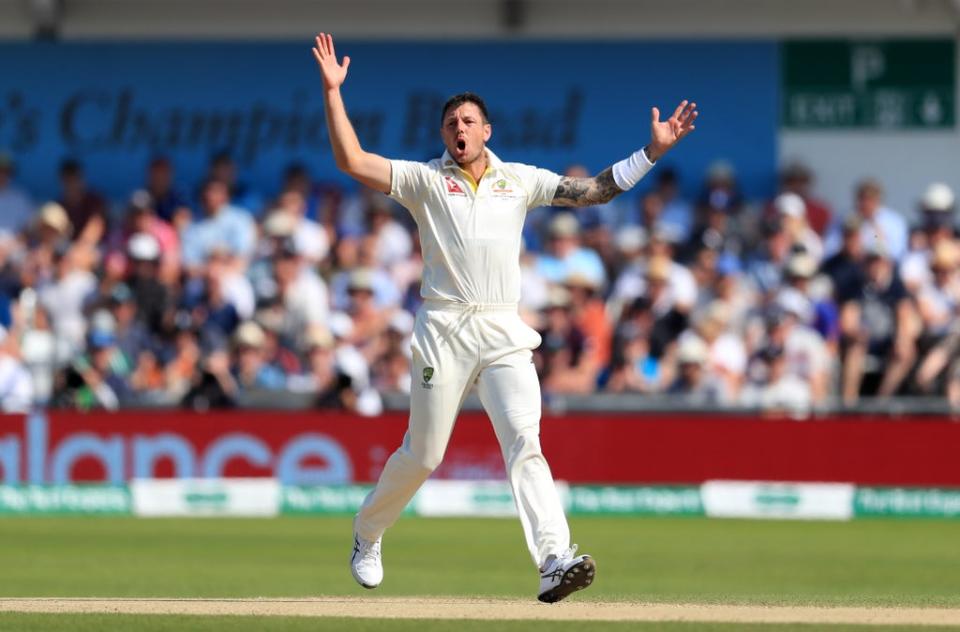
x=470, y=231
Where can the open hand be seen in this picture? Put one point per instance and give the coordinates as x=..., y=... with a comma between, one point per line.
x=333, y=73
x=666, y=134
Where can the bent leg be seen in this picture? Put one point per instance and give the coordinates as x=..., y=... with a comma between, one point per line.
x=510, y=393
x=434, y=405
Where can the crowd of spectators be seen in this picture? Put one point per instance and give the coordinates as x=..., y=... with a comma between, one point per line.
x=197, y=297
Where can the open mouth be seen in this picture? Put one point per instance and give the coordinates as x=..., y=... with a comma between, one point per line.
x=461, y=144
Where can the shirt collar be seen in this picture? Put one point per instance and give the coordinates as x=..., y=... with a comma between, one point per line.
x=493, y=163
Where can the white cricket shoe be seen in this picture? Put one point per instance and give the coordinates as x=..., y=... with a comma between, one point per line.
x=565, y=574
x=365, y=562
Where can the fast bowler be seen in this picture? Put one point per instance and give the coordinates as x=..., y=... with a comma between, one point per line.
x=469, y=207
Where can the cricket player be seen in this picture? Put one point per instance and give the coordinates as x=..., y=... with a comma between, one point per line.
x=469, y=207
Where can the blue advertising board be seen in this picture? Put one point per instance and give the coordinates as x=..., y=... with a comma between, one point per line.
x=115, y=105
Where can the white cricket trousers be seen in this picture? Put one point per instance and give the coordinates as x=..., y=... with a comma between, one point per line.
x=454, y=347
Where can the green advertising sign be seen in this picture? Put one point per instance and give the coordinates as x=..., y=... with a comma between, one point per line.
x=907, y=502
x=629, y=500
x=64, y=499
x=878, y=84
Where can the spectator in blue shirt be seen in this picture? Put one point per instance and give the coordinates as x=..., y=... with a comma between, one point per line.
x=565, y=257
x=882, y=229
x=224, y=227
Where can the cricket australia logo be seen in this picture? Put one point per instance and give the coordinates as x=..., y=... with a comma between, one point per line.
x=427, y=376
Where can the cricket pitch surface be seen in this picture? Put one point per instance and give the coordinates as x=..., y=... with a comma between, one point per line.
x=489, y=609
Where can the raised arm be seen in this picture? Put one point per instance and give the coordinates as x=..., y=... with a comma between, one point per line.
x=369, y=168
x=621, y=176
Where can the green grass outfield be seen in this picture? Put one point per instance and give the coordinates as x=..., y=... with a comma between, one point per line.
x=865, y=562
x=154, y=623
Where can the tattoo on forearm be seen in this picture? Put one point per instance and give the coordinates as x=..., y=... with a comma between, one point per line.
x=587, y=191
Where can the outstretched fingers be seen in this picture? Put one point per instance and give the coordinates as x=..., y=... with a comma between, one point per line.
x=679, y=110
x=321, y=47
x=333, y=52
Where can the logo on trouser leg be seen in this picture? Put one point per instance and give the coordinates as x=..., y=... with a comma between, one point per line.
x=427, y=376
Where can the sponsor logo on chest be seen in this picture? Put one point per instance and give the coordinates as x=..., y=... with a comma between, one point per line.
x=453, y=187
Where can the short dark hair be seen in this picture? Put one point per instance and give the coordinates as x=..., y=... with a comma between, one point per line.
x=464, y=97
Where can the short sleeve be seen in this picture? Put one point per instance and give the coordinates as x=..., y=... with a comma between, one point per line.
x=409, y=182
x=540, y=185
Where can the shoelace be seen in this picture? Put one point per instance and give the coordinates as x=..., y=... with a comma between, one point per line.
x=364, y=548
x=557, y=564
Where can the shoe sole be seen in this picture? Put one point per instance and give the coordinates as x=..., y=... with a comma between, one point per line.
x=577, y=577
x=357, y=579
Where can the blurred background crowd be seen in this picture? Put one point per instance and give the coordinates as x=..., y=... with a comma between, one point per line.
x=194, y=295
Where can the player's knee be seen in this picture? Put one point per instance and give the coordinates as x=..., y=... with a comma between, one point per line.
x=421, y=460
x=526, y=445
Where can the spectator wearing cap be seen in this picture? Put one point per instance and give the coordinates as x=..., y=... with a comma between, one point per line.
x=679, y=288
x=693, y=383
x=805, y=352
x=726, y=356
x=16, y=206
x=730, y=287
x=565, y=256
x=131, y=334
x=793, y=213
x=845, y=268
x=302, y=292
x=86, y=208
x=369, y=321
x=279, y=351
x=169, y=204
x=251, y=369
x=49, y=240
x=37, y=345
x=772, y=388
x=309, y=238
x=224, y=227
x=590, y=315
x=937, y=222
x=882, y=229
x=819, y=311
x=152, y=296
x=565, y=360
x=353, y=390
x=670, y=319
x=391, y=371
x=879, y=328
x=352, y=251
x=798, y=179
x=141, y=218
x=939, y=299
x=97, y=379
x=319, y=374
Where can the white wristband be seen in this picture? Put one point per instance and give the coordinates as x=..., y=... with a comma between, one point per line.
x=627, y=172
